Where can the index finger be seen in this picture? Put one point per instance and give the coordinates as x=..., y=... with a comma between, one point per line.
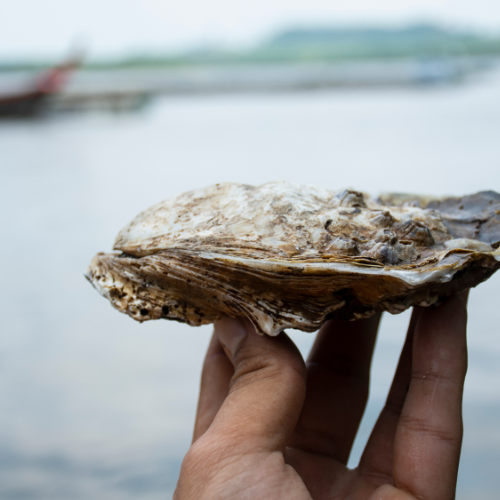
x=214, y=386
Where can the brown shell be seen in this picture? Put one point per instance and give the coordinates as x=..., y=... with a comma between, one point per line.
x=291, y=256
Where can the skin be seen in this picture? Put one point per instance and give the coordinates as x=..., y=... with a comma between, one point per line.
x=271, y=426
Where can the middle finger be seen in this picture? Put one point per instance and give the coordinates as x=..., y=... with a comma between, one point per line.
x=338, y=377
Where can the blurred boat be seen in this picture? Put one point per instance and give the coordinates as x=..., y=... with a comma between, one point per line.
x=31, y=102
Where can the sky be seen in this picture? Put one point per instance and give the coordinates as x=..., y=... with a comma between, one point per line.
x=117, y=27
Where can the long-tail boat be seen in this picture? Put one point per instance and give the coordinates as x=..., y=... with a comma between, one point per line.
x=31, y=102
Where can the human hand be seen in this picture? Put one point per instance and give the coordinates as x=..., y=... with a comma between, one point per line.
x=270, y=427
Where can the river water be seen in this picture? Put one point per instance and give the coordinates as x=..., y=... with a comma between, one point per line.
x=96, y=406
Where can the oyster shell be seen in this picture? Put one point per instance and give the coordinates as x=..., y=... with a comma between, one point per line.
x=290, y=256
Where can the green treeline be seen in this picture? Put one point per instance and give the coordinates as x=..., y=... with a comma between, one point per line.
x=322, y=45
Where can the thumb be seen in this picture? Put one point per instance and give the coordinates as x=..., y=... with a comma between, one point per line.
x=266, y=392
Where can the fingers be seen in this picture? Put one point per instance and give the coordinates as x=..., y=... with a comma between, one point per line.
x=338, y=377
x=388, y=492
x=376, y=462
x=429, y=434
x=216, y=375
x=266, y=392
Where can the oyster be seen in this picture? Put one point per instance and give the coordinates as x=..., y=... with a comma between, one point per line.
x=290, y=256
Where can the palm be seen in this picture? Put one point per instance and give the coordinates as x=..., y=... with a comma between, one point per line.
x=312, y=477
x=328, y=479
x=414, y=446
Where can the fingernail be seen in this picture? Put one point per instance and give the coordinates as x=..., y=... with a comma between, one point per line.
x=231, y=333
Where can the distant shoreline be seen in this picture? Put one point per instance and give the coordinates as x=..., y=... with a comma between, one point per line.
x=307, y=45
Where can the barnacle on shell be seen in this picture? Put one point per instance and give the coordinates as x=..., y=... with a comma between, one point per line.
x=288, y=256
x=382, y=218
x=351, y=199
x=418, y=232
x=343, y=246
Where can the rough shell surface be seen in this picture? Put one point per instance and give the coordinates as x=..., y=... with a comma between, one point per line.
x=290, y=256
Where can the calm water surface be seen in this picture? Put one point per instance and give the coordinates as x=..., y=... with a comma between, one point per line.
x=96, y=406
